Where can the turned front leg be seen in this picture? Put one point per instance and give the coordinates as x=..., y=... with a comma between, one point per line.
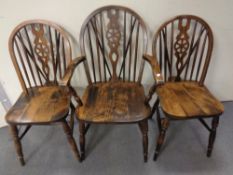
x=144, y=129
x=212, y=136
x=165, y=124
x=82, y=139
x=18, y=146
x=70, y=138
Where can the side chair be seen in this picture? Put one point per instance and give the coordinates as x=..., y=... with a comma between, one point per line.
x=182, y=49
x=41, y=54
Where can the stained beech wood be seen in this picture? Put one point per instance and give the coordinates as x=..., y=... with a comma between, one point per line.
x=82, y=139
x=65, y=81
x=18, y=146
x=143, y=125
x=116, y=102
x=212, y=136
x=184, y=100
x=44, y=105
x=161, y=137
x=41, y=54
x=155, y=68
x=113, y=40
x=40, y=51
x=182, y=46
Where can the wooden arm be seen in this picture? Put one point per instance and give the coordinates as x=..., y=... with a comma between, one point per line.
x=156, y=73
x=155, y=68
x=70, y=70
x=75, y=95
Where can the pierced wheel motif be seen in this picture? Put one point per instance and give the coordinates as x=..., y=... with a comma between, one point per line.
x=41, y=48
x=113, y=36
x=181, y=46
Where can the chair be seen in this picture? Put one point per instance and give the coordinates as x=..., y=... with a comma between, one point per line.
x=41, y=54
x=183, y=47
x=113, y=40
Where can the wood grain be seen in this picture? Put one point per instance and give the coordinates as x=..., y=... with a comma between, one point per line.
x=65, y=81
x=41, y=54
x=114, y=102
x=188, y=100
x=152, y=60
x=113, y=39
x=43, y=105
x=183, y=46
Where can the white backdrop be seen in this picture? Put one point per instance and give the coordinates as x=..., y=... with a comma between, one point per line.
x=70, y=14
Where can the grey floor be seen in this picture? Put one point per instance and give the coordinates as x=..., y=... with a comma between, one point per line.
x=117, y=149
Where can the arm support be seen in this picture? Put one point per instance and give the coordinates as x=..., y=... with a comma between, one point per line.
x=70, y=70
x=65, y=81
x=156, y=73
x=155, y=68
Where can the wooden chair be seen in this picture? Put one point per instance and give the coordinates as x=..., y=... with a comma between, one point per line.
x=183, y=47
x=113, y=40
x=41, y=54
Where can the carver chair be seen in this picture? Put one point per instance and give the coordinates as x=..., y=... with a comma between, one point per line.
x=113, y=40
x=183, y=46
x=41, y=54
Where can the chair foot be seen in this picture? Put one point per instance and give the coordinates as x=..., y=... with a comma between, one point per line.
x=165, y=124
x=209, y=153
x=22, y=162
x=82, y=139
x=71, y=140
x=155, y=156
x=18, y=146
x=143, y=125
x=212, y=136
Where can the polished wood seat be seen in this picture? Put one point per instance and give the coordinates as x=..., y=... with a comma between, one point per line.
x=43, y=105
x=184, y=100
x=114, y=102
